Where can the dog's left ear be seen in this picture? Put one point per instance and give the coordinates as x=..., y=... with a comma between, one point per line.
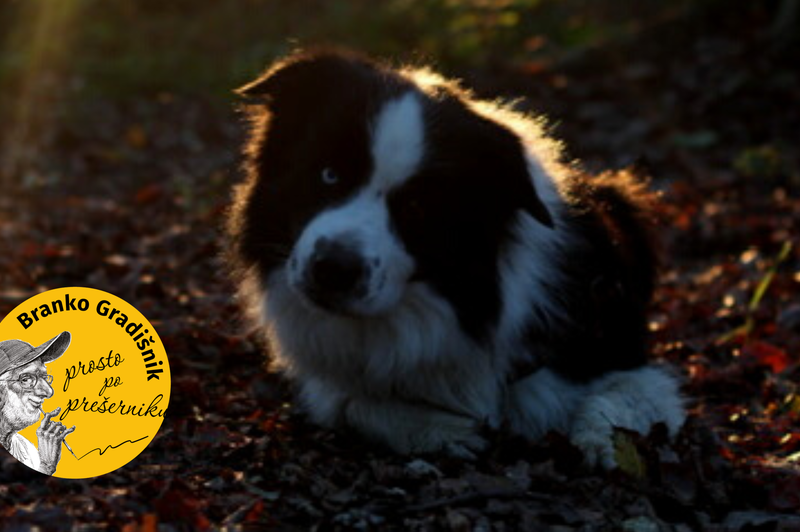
x=508, y=154
x=523, y=188
x=534, y=206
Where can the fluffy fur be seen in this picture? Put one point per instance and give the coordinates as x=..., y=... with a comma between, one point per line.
x=423, y=264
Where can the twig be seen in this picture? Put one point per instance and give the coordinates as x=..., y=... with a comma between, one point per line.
x=239, y=513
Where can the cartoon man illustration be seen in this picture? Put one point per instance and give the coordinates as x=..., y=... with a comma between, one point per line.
x=24, y=385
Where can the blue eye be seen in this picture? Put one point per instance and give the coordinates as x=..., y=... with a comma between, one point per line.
x=329, y=177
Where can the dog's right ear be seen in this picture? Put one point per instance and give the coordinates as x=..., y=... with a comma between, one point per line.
x=286, y=76
x=258, y=88
x=265, y=86
x=302, y=73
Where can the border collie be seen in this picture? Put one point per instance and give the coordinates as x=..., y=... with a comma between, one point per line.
x=424, y=264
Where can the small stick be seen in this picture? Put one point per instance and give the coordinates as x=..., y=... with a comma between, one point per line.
x=64, y=441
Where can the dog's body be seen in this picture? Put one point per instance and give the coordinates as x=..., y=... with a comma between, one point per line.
x=424, y=264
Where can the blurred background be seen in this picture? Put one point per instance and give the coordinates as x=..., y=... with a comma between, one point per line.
x=119, y=143
x=64, y=63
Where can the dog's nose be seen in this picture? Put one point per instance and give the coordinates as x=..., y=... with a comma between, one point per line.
x=335, y=269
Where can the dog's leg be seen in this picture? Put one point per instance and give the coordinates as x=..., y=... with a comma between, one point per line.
x=542, y=402
x=635, y=400
x=323, y=402
x=405, y=427
x=411, y=428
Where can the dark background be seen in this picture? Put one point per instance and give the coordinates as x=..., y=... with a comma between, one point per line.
x=119, y=143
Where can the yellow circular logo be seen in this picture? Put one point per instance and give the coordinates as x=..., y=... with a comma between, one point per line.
x=84, y=382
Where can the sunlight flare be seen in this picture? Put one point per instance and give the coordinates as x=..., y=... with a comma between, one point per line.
x=43, y=36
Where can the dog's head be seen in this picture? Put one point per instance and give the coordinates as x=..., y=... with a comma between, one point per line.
x=362, y=180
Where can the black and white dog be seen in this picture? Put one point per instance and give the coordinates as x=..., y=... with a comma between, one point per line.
x=424, y=264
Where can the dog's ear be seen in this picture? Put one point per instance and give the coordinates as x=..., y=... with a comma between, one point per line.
x=523, y=186
x=260, y=87
x=534, y=206
x=304, y=73
x=501, y=153
x=275, y=80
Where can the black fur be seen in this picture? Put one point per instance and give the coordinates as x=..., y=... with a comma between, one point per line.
x=308, y=113
x=315, y=108
x=454, y=216
x=609, y=280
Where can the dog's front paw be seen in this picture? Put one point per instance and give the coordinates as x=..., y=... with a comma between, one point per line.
x=595, y=439
x=455, y=436
x=410, y=429
x=635, y=400
x=466, y=448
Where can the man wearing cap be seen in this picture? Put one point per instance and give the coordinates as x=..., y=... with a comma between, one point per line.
x=24, y=385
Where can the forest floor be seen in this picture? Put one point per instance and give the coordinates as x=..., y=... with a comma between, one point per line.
x=132, y=201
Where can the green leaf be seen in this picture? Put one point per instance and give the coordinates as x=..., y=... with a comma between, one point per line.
x=746, y=328
x=742, y=330
x=761, y=289
x=627, y=455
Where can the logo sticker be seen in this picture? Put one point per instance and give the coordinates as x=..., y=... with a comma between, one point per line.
x=84, y=382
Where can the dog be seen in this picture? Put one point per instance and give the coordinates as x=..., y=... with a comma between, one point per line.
x=424, y=264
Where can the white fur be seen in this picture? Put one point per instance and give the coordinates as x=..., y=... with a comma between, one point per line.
x=406, y=374
x=410, y=377
x=635, y=400
x=522, y=273
x=542, y=402
x=364, y=223
x=398, y=141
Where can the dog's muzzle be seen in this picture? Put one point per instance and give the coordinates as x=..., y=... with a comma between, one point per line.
x=335, y=274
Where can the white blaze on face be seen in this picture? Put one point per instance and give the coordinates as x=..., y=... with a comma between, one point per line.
x=397, y=141
x=362, y=223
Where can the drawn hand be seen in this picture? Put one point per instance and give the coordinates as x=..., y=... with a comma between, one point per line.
x=51, y=434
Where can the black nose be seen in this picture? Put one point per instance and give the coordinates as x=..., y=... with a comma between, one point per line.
x=335, y=270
